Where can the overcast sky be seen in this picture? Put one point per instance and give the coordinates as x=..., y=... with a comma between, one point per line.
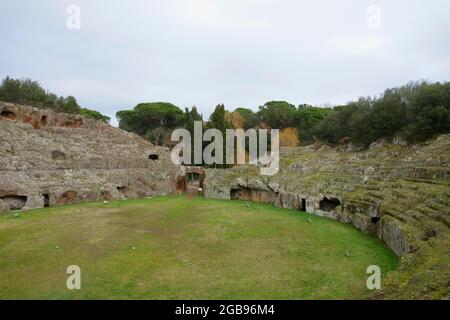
x=238, y=52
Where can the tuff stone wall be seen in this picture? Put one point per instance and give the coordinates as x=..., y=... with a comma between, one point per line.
x=398, y=193
x=52, y=158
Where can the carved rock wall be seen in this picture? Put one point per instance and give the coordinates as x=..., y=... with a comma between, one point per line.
x=397, y=193
x=56, y=158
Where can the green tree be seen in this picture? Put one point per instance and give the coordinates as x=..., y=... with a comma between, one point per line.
x=94, y=115
x=416, y=111
x=249, y=117
x=70, y=105
x=277, y=114
x=30, y=92
x=217, y=119
x=152, y=120
x=306, y=118
x=190, y=117
x=128, y=121
x=335, y=126
x=10, y=90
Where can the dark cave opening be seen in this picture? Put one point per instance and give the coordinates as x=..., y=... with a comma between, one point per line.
x=374, y=220
x=234, y=194
x=8, y=115
x=303, y=204
x=329, y=204
x=58, y=155
x=15, y=202
x=46, y=200
x=122, y=188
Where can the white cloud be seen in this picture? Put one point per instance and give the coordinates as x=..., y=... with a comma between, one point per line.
x=200, y=11
x=358, y=45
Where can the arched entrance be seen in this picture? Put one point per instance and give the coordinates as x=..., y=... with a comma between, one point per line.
x=192, y=181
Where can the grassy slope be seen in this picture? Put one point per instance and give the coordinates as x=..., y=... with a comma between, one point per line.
x=184, y=249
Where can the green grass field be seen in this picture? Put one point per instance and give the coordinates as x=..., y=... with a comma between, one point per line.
x=179, y=248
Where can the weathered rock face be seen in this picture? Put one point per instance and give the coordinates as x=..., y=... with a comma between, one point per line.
x=15, y=202
x=4, y=207
x=40, y=117
x=49, y=158
x=34, y=202
x=398, y=193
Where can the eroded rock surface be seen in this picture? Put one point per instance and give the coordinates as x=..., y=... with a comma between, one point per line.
x=49, y=158
x=4, y=207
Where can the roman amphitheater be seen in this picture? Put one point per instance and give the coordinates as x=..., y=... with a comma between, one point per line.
x=395, y=192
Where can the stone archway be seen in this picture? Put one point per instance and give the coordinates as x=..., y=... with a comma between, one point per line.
x=181, y=184
x=192, y=181
x=193, y=178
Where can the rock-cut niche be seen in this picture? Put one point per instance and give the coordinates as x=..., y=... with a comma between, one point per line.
x=329, y=204
x=8, y=115
x=15, y=202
